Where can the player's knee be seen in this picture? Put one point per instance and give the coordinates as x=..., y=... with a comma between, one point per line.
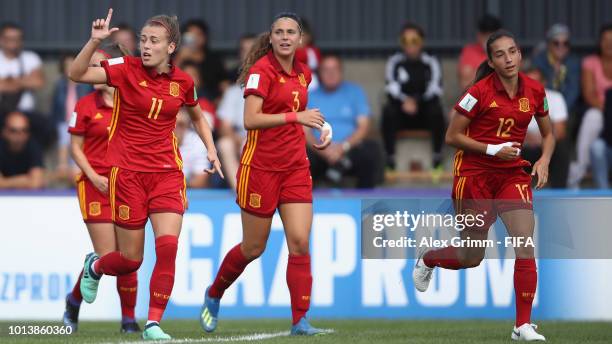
x=253, y=251
x=299, y=247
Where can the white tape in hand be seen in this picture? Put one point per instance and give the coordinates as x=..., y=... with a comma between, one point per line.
x=494, y=149
x=327, y=127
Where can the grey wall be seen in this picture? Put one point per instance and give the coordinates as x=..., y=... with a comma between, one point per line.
x=360, y=27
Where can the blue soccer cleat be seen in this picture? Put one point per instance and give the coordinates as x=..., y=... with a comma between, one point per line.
x=209, y=313
x=303, y=328
x=71, y=315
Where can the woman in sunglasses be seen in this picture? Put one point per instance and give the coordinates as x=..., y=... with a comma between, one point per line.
x=414, y=89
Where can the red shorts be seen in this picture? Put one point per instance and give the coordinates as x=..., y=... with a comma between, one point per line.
x=134, y=195
x=95, y=205
x=260, y=192
x=493, y=193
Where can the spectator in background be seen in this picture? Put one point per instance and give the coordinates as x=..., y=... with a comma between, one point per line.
x=345, y=107
x=232, y=134
x=472, y=55
x=596, y=79
x=561, y=69
x=244, y=46
x=65, y=95
x=208, y=108
x=414, y=88
x=20, y=71
x=531, y=150
x=20, y=157
x=193, y=152
x=309, y=54
x=601, y=149
x=126, y=37
x=195, y=48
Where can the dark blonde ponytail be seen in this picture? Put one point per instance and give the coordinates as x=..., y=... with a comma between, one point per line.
x=260, y=48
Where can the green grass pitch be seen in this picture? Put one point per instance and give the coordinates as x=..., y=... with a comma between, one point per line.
x=345, y=331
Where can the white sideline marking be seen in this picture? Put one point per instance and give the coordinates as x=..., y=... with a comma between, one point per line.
x=245, y=338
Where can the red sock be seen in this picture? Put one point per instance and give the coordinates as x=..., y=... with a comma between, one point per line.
x=299, y=281
x=162, y=279
x=127, y=287
x=115, y=264
x=76, y=291
x=525, y=283
x=231, y=268
x=444, y=258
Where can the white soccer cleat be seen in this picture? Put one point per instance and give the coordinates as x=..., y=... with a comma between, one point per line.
x=526, y=332
x=421, y=274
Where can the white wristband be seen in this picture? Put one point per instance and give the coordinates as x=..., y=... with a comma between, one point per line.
x=328, y=127
x=494, y=149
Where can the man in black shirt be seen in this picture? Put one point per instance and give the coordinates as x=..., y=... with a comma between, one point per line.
x=20, y=156
x=414, y=88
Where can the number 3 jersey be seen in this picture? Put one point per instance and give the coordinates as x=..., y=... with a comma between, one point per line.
x=280, y=148
x=145, y=106
x=495, y=119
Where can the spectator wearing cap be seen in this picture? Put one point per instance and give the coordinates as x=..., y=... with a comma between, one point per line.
x=20, y=157
x=472, y=55
x=560, y=67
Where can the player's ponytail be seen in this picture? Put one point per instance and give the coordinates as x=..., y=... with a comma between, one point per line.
x=484, y=69
x=260, y=48
x=112, y=50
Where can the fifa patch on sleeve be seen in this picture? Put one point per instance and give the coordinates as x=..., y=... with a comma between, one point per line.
x=195, y=93
x=253, y=81
x=545, y=104
x=73, y=120
x=115, y=61
x=468, y=102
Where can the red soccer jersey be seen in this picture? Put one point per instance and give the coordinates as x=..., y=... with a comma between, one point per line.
x=141, y=136
x=495, y=119
x=280, y=148
x=91, y=119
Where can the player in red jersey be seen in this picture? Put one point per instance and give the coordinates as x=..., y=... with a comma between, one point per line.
x=274, y=170
x=487, y=129
x=89, y=129
x=146, y=181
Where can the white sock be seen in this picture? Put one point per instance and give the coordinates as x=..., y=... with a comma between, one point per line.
x=151, y=322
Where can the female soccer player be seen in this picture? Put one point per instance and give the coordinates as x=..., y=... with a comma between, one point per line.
x=145, y=178
x=490, y=122
x=89, y=139
x=274, y=170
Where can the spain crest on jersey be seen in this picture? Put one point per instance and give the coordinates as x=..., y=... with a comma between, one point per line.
x=124, y=212
x=524, y=104
x=302, y=79
x=94, y=209
x=174, y=89
x=255, y=200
